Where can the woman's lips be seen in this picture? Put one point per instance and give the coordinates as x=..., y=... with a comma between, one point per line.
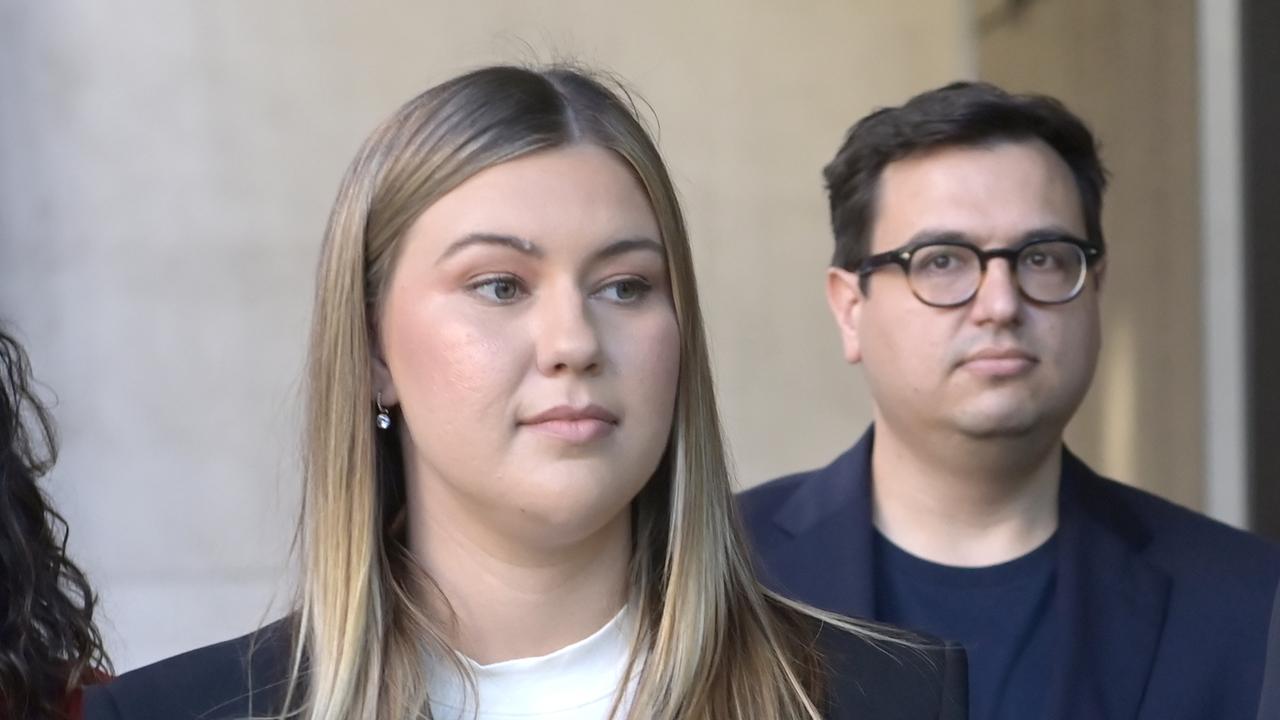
x=573, y=424
x=583, y=430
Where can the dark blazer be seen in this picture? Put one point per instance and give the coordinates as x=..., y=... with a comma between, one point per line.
x=227, y=681
x=232, y=680
x=1269, y=709
x=1163, y=611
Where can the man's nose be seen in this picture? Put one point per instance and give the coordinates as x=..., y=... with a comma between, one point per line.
x=999, y=298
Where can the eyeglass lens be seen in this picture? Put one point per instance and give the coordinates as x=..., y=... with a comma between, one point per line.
x=1048, y=272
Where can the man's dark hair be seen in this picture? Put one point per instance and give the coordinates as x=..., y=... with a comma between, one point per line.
x=960, y=114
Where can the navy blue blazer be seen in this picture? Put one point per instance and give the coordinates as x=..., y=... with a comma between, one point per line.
x=1164, y=611
x=1270, y=706
x=244, y=678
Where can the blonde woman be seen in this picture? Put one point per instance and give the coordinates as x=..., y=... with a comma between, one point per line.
x=517, y=502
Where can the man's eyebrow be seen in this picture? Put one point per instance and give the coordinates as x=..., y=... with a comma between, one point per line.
x=924, y=237
x=1048, y=232
x=510, y=241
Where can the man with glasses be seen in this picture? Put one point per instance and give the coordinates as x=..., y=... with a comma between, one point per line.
x=966, y=281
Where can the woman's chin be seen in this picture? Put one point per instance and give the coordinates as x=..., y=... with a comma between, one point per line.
x=568, y=517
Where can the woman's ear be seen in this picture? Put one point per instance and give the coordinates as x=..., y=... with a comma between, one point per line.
x=382, y=384
x=844, y=297
x=381, y=374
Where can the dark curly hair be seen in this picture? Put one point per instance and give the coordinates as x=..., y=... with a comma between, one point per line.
x=49, y=645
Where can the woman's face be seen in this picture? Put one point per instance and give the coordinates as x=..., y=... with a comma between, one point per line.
x=529, y=337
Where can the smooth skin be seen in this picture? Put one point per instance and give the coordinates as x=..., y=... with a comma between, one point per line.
x=529, y=337
x=970, y=402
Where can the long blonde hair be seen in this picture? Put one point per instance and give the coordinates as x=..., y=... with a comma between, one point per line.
x=711, y=642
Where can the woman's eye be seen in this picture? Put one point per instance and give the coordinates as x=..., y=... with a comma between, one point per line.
x=498, y=289
x=627, y=290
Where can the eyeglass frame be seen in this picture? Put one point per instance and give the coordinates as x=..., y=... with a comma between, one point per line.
x=1092, y=251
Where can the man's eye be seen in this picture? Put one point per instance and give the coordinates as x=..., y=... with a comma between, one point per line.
x=944, y=260
x=498, y=289
x=625, y=291
x=1037, y=259
x=1051, y=259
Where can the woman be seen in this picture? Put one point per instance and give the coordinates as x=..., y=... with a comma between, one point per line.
x=49, y=646
x=517, y=501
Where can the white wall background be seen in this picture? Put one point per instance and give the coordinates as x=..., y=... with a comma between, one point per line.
x=166, y=167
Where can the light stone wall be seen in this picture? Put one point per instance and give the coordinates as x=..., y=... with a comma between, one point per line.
x=166, y=167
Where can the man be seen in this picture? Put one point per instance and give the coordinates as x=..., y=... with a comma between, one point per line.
x=966, y=280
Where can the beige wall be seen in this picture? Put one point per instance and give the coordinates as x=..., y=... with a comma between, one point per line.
x=167, y=167
x=1129, y=68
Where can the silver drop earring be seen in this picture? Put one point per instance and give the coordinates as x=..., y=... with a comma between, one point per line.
x=383, y=418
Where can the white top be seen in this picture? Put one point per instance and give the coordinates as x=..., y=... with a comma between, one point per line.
x=577, y=682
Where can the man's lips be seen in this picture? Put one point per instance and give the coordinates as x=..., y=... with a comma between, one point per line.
x=573, y=424
x=999, y=362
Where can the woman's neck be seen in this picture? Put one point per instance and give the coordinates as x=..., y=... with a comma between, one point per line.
x=511, y=598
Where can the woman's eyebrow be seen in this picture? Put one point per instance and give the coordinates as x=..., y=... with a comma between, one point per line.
x=510, y=241
x=626, y=245
x=527, y=247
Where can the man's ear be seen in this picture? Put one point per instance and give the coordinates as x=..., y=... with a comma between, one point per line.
x=844, y=297
x=1099, y=274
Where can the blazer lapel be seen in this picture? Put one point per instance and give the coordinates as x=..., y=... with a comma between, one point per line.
x=1110, y=603
x=828, y=558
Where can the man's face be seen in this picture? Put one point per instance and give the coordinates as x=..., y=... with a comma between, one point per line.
x=1000, y=365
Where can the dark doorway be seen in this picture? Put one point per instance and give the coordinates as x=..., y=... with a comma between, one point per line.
x=1260, y=24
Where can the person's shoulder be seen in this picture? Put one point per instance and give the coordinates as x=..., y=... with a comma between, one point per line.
x=811, y=491
x=760, y=502
x=1189, y=544
x=883, y=672
x=236, y=678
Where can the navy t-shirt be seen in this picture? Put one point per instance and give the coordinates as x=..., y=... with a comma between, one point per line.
x=1001, y=614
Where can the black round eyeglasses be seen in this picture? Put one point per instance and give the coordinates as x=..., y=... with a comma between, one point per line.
x=948, y=273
